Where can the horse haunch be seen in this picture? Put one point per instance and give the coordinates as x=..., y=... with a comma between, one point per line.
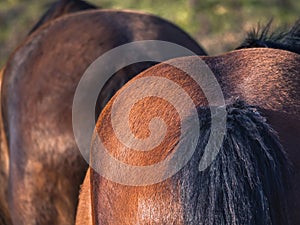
x=56, y=10
x=46, y=168
x=252, y=169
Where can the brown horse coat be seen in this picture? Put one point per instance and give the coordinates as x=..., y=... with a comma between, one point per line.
x=57, y=9
x=40, y=79
x=266, y=78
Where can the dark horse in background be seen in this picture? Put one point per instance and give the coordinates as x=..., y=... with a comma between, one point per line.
x=56, y=10
x=39, y=81
x=255, y=177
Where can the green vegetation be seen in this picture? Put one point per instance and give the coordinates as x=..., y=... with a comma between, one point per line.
x=218, y=25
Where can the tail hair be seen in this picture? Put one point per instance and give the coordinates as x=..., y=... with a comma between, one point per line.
x=262, y=36
x=246, y=182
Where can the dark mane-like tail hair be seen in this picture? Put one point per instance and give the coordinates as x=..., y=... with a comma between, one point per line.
x=245, y=184
x=262, y=37
x=60, y=8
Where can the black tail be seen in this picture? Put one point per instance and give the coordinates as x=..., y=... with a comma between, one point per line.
x=262, y=37
x=245, y=184
x=60, y=8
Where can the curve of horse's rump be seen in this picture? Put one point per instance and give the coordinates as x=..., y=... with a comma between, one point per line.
x=253, y=180
x=255, y=176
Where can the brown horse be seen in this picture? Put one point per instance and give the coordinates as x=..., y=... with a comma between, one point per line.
x=56, y=10
x=249, y=182
x=46, y=168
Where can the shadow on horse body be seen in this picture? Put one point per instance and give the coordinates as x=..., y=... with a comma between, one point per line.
x=46, y=168
x=255, y=177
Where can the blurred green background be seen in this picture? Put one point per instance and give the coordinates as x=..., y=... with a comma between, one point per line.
x=219, y=25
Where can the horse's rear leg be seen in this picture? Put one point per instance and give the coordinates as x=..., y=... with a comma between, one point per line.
x=43, y=188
